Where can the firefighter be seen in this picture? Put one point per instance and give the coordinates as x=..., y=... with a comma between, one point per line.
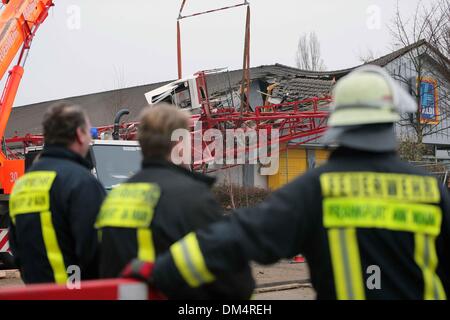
x=161, y=204
x=370, y=225
x=53, y=207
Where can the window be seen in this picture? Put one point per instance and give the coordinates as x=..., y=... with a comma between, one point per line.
x=183, y=96
x=116, y=163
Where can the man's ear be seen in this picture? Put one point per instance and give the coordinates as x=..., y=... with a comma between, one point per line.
x=80, y=135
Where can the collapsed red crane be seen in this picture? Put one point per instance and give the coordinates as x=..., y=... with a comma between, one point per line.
x=304, y=120
x=297, y=122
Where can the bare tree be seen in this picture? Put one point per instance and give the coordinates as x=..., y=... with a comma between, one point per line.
x=426, y=36
x=367, y=56
x=308, y=55
x=440, y=39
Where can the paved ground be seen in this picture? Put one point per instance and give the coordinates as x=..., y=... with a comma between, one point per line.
x=293, y=294
x=280, y=272
x=282, y=275
x=10, y=278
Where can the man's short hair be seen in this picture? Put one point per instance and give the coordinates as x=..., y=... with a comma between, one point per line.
x=157, y=123
x=61, y=121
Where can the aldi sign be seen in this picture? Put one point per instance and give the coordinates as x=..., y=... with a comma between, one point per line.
x=429, y=109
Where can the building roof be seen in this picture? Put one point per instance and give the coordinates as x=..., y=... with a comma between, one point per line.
x=302, y=88
x=384, y=60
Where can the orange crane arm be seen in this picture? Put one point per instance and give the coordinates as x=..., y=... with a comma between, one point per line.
x=19, y=22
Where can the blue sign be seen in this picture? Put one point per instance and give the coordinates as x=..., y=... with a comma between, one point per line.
x=429, y=111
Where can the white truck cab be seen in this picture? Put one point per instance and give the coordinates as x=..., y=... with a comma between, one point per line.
x=183, y=93
x=114, y=161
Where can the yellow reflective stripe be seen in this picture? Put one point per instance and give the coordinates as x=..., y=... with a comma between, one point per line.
x=29, y=202
x=346, y=263
x=385, y=214
x=338, y=267
x=426, y=258
x=355, y=264
x=131, y=205
x=146, y=250
x=35, y=181
x=180, y=262
x=399, y=187
x=54, y=254
x=31, y=193
x=189, y=261
x=372, y=183
x=125, y=215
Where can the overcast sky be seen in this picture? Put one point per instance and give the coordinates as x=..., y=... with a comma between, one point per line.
x=88, y=46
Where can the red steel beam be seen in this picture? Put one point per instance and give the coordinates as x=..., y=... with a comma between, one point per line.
x=179, y=59
x=209, y=11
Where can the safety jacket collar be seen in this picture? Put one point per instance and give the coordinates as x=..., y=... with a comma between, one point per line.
x=345, y=152
x=61, y=152
x=156, y=162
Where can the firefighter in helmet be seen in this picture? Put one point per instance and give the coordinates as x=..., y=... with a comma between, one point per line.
x=370, y=225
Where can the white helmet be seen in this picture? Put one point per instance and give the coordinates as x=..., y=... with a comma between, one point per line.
x=366, y=103
x=369, y=95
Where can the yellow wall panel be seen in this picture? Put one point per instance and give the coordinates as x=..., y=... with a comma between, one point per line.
x=292, y=163
x=321, y=156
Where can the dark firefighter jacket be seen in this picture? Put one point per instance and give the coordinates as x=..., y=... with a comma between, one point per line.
x=53, y=208
x=156, y=207
x=369, y=225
